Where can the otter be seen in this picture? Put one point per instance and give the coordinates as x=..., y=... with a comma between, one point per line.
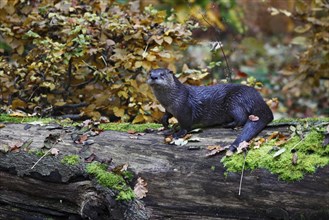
x=226, y=105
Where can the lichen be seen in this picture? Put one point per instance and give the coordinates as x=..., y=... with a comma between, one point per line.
x=311, y=155
x=70, y=160
x=110, y=180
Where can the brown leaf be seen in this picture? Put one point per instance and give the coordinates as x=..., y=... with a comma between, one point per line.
x=15, y=146
x=120, y=168
x=2, y=125
x=214, y=149
x=253, y=118
x=90, y=158
x=140, y=188
x=294, y=158
x=131, y=132
x=81, y=139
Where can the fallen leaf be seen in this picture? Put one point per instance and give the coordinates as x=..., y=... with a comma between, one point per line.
x=214, y=149
x=120, y=168
x=2, y=125
x=197, y=130
x=15, y=146
x=51, y=140
x=168, y=139
x=258, y=142
x=253, y=118
x=242, y=146
x=81, y=139
x=294, y=158
x=90, y=158
x=140, y=188
x=279, y=152
x=54, y=151
x=179, y=142
x=18, y=114
x=131, y=132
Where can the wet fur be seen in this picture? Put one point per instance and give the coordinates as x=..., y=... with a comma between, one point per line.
x=227, y=105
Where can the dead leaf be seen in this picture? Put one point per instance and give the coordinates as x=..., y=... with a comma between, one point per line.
x=279, y=152
x=140, y=188
x=51, y=140
x=179, y=142
x=294, y=158
x=18, y=114
x=253, y=118
x=2, y=125
x=131, y=132
x=258, y=142
x=54, y=151
x=90, y=158
x=120, y=168
x=242, y=146
x=81, y=139
x=15, y=146
x=214, y=149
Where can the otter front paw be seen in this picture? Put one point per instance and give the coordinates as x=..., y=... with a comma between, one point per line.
x=181, y=133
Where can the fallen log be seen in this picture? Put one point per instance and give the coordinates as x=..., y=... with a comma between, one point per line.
x=182, y=183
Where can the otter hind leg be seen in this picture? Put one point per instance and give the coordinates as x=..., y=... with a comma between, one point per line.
x=250, y=130
x=239, y=118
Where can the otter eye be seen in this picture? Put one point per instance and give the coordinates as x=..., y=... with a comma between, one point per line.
x=162, y=74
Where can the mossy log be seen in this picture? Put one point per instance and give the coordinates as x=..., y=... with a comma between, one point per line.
x=182, y=182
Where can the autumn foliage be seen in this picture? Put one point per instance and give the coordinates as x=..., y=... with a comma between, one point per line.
x=84, y=57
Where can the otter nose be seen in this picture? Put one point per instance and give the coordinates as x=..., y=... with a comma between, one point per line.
x=153, y=76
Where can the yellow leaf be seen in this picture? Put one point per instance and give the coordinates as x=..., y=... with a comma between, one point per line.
x=138, y=64
x=165, y=55
x=119, y=112
x=151, y=57
x=60, y=103
x=3, y=3
x=158, y=40
x=143, y=88
x=18, y=114
x=20, y=49
x=139, y=118
x=123, y=94
x=18, y=103
x=168, y=39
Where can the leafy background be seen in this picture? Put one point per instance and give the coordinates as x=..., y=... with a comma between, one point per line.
x=86, y=58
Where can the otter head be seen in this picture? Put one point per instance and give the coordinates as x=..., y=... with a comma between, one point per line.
x=161, y=78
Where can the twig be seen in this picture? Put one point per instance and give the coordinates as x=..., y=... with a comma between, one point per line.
x=297, y=144
x=244, y=163
x=229, y=73
x=40, y=159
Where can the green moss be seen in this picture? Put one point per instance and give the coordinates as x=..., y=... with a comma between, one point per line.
x=110, y=180
x=71, y=160
x=311, y=155
x=127, y=126
x=300, y=120
x=11, y=119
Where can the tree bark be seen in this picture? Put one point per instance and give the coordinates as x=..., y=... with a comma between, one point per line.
x=181, y=182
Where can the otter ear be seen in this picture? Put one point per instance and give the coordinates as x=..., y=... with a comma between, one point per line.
x=170, y=71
